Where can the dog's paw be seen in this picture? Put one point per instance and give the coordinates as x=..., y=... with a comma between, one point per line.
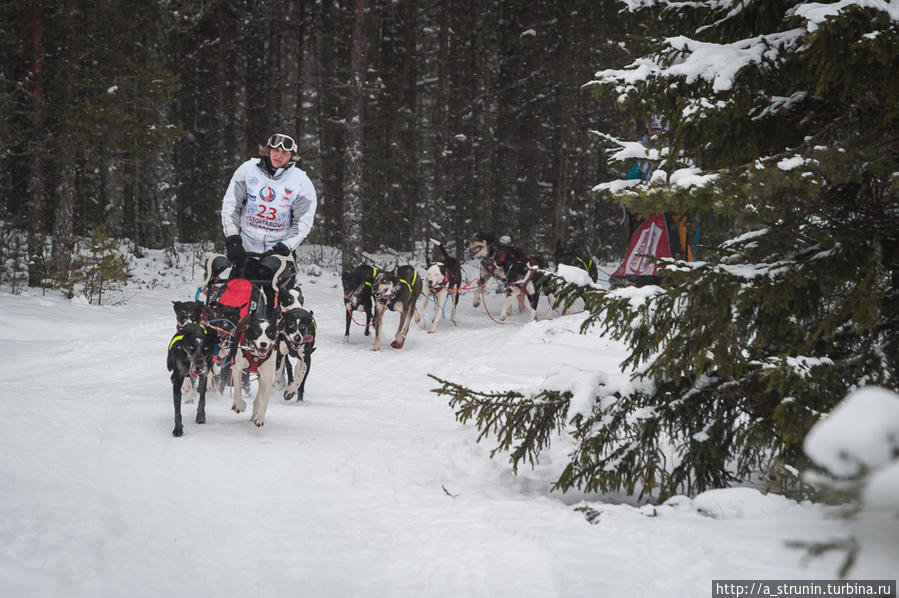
x=258, y=421
x=238, y=406
x=346, y=340
x=201, y=418
x=288, y=394
x=376, y=348
x=178, y=431
x=397, y=344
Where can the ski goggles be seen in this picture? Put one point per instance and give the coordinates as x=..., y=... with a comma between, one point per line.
x=285, y=142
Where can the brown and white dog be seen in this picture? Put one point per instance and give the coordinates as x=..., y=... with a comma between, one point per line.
x=444, y=279
x=254, y=350
x=396, y=290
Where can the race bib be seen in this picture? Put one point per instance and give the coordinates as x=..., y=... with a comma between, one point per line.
x=268, y=210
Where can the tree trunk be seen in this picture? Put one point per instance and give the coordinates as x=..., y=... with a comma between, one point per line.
x=437, y=208
x=34, y=23
x=330, y=125
x=291, y=47
x=64, y=215
x=409, y=132
x=352, y=216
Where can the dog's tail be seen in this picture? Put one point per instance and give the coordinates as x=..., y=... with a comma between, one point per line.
x=446, y=256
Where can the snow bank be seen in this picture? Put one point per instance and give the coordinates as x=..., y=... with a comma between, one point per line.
x=862, y=432
x=734, y=503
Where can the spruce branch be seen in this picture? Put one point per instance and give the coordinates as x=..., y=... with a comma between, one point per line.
x=522, y=426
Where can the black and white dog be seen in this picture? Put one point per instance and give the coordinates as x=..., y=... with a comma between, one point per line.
x=296, y=338
x=290, y=298
x=357, y=287
x=521, y=284
x=190, y=356
x=396, y=290
x=444, y=279
x=495, y=259
x=252, y=349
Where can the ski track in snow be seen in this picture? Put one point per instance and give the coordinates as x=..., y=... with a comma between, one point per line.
x=368, y=488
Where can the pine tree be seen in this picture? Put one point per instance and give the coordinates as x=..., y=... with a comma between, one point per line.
x=781, y=124
x=99, y=268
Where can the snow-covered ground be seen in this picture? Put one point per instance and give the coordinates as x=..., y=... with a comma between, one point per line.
x=367, y=488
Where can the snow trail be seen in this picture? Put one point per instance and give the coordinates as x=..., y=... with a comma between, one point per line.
x=368, y=487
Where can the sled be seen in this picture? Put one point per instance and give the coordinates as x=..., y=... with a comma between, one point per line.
x=244, y=293
x=658, y=236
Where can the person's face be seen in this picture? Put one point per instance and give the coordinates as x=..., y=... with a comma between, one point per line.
x=278, y=156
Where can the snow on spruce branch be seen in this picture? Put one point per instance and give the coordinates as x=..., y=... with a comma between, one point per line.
x=816, y=13
x=693, y=60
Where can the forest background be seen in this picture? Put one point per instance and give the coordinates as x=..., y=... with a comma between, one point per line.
x=415, y=119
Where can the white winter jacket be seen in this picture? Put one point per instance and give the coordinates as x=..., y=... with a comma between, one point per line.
x=265, y=209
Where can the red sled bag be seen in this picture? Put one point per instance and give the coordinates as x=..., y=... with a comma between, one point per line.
x=239, y=292
x=648, y=243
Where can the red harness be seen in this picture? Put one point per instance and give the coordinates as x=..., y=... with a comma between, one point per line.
x=440, y=286
x=254, y=359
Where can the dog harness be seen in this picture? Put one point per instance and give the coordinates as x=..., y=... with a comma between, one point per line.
x=414, y=280
x=585, y=265
x=374, y=274
x=254, y=358
x=391, y=300
x=179, y=337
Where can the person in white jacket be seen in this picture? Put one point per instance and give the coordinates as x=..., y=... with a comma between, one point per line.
x=268, y=208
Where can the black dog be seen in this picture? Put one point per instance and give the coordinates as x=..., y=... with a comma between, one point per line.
x=570, y=255
x=357, y=295
x=296, y=338
x=190, y=356
x=444, y=279
x=190, y=311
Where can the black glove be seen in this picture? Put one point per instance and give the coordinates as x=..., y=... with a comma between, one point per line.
x=279, y=249
x=237, y=255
